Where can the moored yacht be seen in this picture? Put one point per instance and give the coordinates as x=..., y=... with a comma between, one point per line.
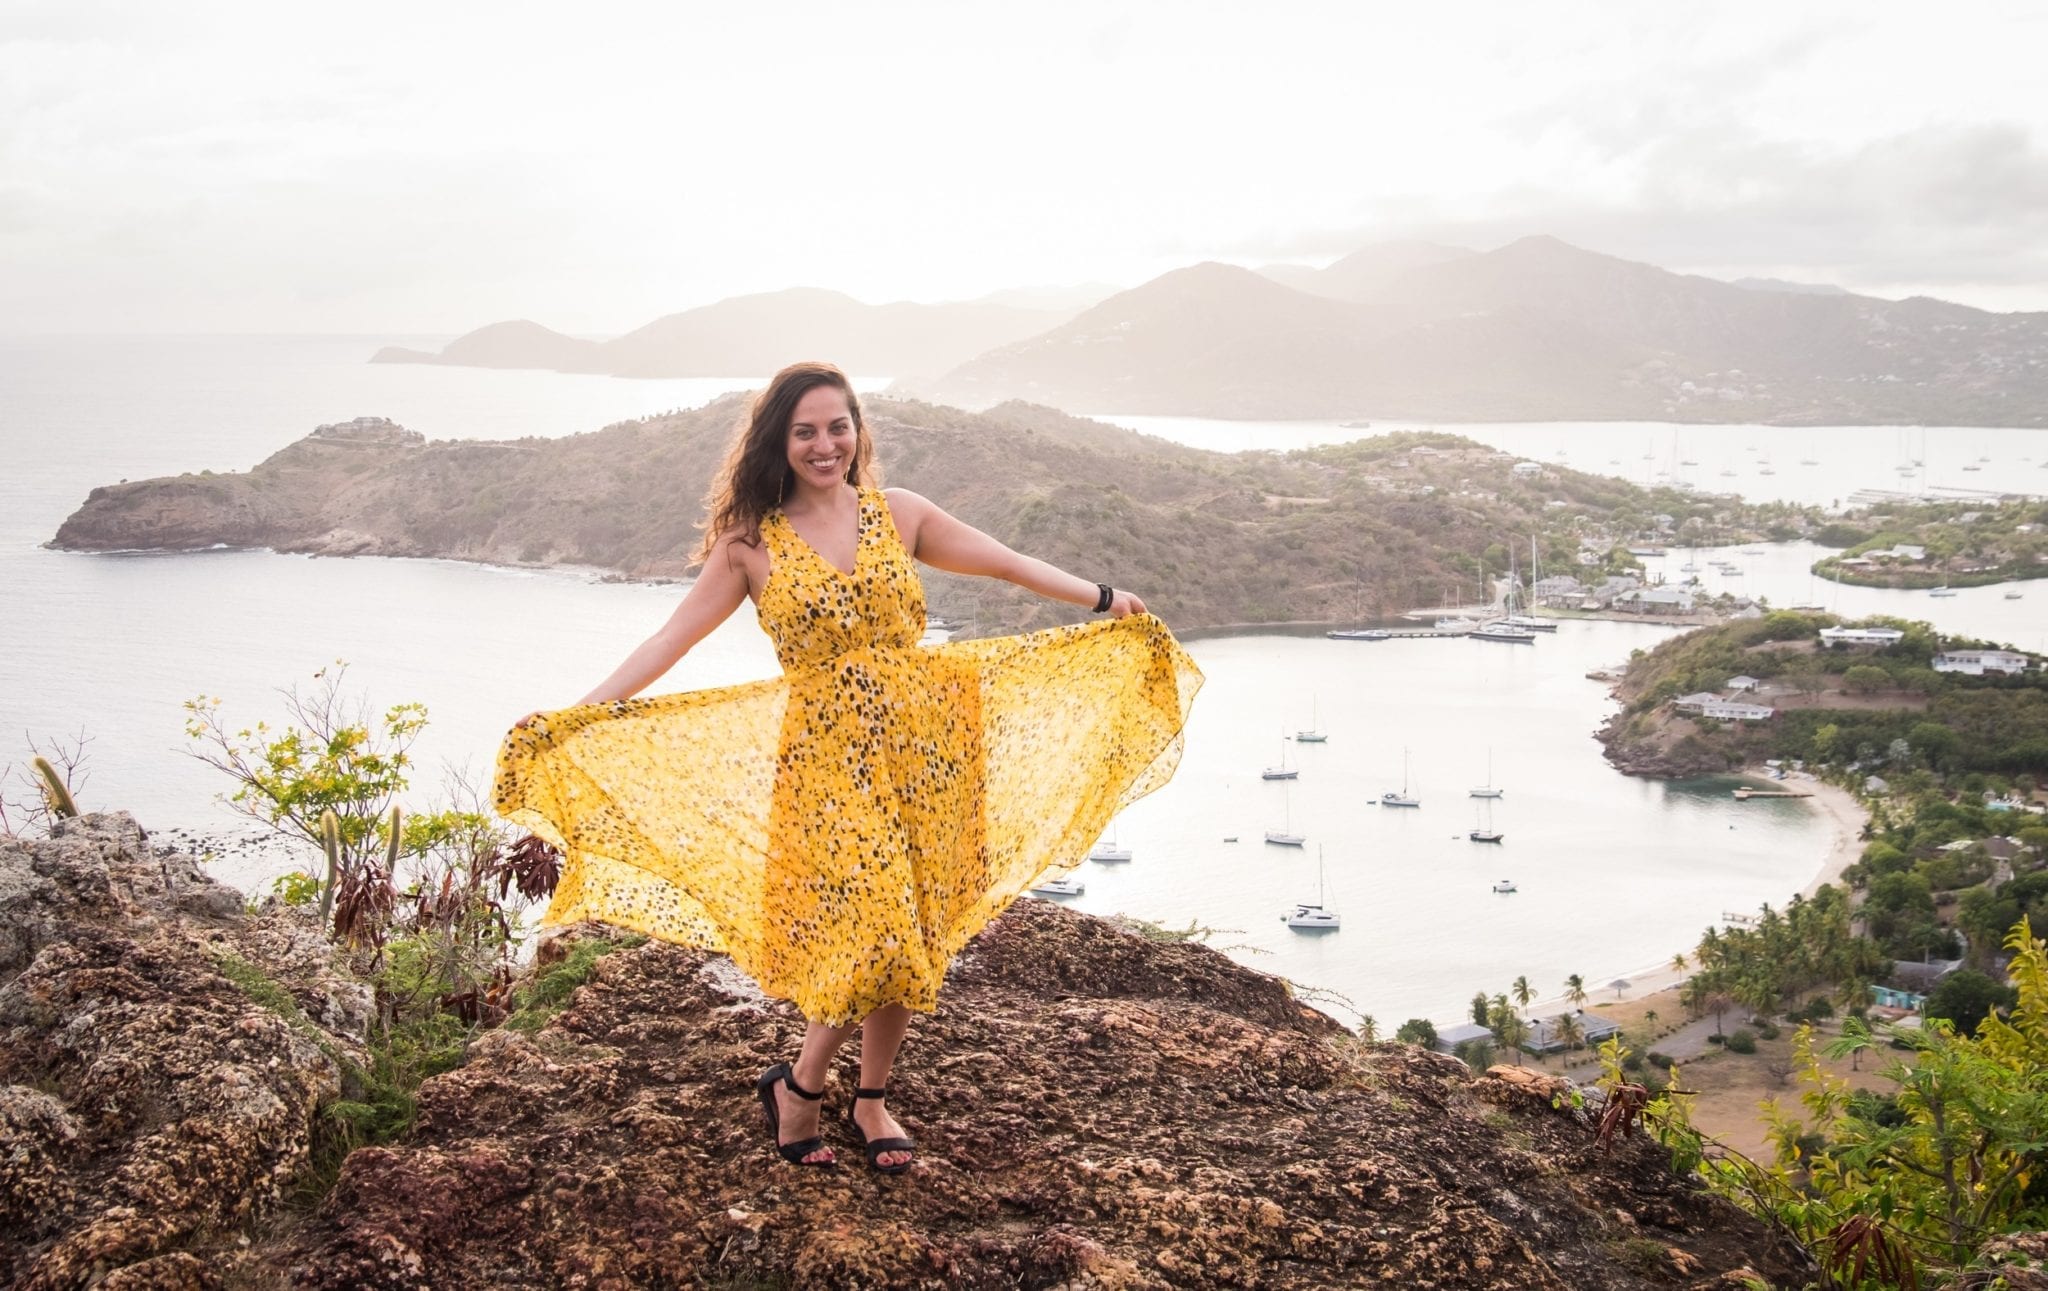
x=1058, y=888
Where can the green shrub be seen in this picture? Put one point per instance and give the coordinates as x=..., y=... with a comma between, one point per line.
x=1742, y=1040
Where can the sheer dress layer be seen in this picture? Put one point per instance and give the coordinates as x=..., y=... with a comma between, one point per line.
x=842, y=830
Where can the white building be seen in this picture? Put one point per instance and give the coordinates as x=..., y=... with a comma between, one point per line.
x=1728, y=710
x=1743, y=683
x=1693, y=703
x=1832, y=637
x=1526, y=469
x=1976, y=663
x=1903, y=551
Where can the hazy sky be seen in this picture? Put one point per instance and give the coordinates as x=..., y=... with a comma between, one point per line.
x=429, y=167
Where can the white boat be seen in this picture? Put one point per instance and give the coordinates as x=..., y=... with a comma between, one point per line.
x=1505, y=885
x=1752, y=551
x=1230, y=838
x=1283, y=771
x=1315, y=916
x=1105, y=849
x=1314, y=734
x=1358, y=634
x=1285, y=835
x=1487, y=790
x=1059, y=888
x=1401, y=799
x=1731, y=571
x=1454, y=623
x=1943, y=590
x=1530, y=623
x=1503, y=631
x=1973, y=467
x=2014, y=595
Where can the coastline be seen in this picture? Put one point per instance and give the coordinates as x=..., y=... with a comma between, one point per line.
x=1657, y=985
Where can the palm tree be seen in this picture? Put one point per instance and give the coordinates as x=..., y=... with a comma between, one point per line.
x=1717, y=1003
x=1523, y=992
x=1575, y=989
x=1678, y=962
x=1650, y=1016
x=1566, y=1028
x=1514, y=1033
x=1368, y=1028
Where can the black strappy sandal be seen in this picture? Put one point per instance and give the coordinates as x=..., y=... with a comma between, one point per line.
x=794, y=1153
x=875, y=1147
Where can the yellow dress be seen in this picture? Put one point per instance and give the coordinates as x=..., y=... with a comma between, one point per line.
x=842, y=830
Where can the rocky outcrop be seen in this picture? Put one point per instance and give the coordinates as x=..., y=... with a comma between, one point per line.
x=1093, y=1109
x=150, y=1106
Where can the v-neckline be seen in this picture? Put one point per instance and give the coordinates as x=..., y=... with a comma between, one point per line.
x=860, y=518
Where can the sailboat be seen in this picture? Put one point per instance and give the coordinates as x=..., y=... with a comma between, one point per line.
x=1058, y=888
x=1529, y=622
x=1401, y=799
x=1482, y=830
x=1487, y=790
x=1285, y=835
x=1107, y=850
x=1283, y=771
x=1314, y=916
x=1314, y=734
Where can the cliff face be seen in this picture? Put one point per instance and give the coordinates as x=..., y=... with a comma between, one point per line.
x=1092, y=1109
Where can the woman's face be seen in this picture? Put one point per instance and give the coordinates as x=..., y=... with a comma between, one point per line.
x=821, y=437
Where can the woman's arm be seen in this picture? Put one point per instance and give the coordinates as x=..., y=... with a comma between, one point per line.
x=720, y=587
x=943, y=542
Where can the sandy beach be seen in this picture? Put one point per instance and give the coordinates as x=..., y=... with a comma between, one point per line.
x=1655, y=986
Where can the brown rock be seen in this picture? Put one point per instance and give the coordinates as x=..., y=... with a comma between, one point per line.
x=1091, y=1109
x=149, y=1105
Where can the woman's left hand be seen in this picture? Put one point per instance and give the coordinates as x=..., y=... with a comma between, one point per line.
x=1123, y=602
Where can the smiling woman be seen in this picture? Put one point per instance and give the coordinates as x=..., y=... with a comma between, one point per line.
x=842, y=830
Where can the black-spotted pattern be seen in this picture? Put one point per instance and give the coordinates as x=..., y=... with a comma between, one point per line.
x=842, y=830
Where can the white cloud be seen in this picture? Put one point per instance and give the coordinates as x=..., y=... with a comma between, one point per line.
x=391, y=167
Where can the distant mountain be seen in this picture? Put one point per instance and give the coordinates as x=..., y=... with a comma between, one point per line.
x=1364, y=274
x=1071, y=300
x=1798, y=288
x=503, y=345
x=1536, y=330
x=755, y=335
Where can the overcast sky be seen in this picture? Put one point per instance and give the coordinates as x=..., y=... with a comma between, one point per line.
x=429, y=167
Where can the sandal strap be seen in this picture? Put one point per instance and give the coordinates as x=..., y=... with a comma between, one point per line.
x=871, y=1093
x=789, y=1079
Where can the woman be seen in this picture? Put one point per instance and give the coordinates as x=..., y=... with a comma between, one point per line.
x=842, y=830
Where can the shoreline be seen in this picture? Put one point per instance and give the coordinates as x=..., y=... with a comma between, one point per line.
x=1846, y=816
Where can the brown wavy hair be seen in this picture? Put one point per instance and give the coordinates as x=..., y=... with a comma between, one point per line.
x=756, y=476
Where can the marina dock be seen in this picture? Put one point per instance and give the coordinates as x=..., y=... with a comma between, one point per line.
x=1745, y=794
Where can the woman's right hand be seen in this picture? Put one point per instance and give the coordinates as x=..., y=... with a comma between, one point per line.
x=524, y=720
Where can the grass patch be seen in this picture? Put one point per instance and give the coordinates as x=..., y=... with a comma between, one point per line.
x=537, y=1002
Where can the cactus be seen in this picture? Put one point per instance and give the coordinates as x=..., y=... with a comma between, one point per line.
x=54, y=790
x=330, y=838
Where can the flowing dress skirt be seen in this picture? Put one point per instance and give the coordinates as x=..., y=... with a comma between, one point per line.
x=841, y=831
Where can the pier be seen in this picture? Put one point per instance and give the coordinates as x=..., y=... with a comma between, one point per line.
x=1745, y=794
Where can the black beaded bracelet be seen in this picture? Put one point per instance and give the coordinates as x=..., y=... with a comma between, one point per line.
x=1108, y=595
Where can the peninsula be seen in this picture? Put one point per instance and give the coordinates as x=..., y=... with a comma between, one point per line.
x=1344, y=533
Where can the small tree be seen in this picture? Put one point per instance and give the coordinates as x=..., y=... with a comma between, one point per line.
x=1575, y=990
x=1417, y=1031
x=333, y=756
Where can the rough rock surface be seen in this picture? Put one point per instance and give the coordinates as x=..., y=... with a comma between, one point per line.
x=149, y=1107
x=1092, y=1109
